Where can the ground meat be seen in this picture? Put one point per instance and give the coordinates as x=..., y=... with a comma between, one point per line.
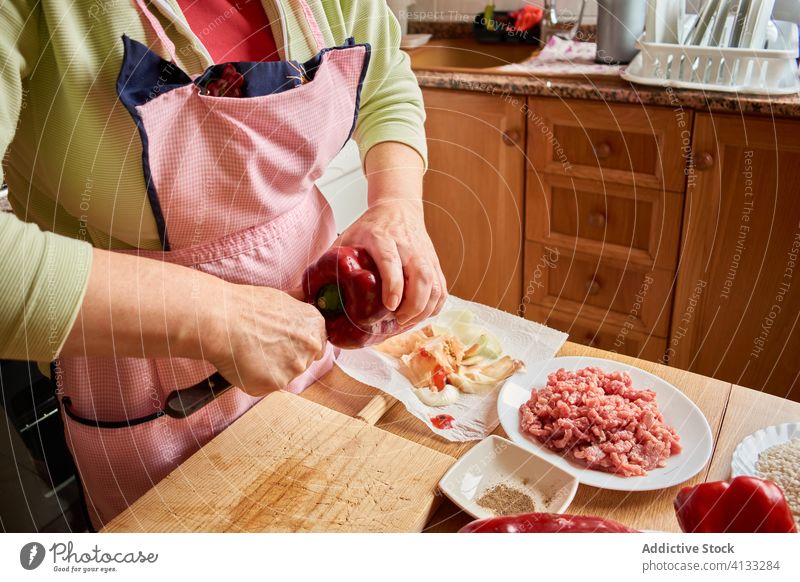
x=599, y=419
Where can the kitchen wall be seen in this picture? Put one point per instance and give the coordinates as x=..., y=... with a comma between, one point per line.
x=444, y=9
x=345, y=187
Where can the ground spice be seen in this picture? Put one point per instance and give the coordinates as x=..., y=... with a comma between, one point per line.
x=504, y=500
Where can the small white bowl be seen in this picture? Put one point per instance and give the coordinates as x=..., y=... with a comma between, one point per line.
x=745, y=456
x=496, y=460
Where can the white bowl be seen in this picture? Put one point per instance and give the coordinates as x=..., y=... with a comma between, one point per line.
x=745, y=456
x=496, y=460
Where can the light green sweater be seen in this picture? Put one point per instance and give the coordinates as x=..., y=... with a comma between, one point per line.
x=72, y=155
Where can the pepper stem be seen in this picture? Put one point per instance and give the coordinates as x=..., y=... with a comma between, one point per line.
x=329, y=300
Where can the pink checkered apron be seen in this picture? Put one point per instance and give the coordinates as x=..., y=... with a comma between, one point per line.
x=231, y=183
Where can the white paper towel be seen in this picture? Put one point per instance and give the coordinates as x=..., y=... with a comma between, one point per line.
x=474, y=416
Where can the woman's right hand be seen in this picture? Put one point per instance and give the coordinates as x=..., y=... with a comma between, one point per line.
x=260, y=339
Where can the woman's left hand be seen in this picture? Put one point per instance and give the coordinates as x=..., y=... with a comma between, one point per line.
x=393, y=232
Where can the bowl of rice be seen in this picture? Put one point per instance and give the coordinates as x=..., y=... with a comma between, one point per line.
x=773, y=453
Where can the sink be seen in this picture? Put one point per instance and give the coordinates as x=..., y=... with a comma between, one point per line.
x=467, y=55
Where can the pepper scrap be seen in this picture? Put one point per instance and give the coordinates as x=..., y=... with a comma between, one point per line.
x=745, y=505
x=442, y=421
x=344, y=284
x=545, y=523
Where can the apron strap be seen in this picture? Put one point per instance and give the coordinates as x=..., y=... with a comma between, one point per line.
x=66, y=403
x=316, y=33
x=166, y=43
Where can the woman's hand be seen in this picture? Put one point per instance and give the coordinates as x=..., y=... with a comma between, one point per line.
x=262, y=339
x=259, y=338
x=393, y=232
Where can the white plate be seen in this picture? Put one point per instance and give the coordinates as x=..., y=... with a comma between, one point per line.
x=411, y=41
x=679, y=412
x=702, y=23
x=738, y=24
x=496, y=460
x=674, y=17
x=745, y=456
x=750, y=24
x=664, y=21
x=761, y=25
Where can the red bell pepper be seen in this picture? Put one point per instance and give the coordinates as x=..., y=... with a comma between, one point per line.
x=745, y=505
x=545, y=523
x=230, y=83
x=344, y=284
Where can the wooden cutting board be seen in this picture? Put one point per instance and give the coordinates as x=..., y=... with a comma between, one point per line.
x=291, y=465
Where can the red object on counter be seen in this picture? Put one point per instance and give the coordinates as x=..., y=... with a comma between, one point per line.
x=545, y=523
x=527, y=17
x=745, y=505
x=344, y=284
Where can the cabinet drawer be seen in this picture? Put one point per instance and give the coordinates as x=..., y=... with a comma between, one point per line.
x=601, y=335
x=636, y=224
x=599, y=288
x=626, y=144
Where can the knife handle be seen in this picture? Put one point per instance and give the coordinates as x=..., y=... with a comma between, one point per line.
x=183, y=403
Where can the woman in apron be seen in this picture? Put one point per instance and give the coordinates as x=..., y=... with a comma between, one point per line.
x=229, y=157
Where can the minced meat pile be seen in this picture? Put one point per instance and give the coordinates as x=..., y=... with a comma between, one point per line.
x=599, y=419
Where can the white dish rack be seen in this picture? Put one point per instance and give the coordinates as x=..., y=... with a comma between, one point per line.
x=769, y=71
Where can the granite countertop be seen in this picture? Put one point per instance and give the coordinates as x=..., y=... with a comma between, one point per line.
x=598, y=88
x=611, y=90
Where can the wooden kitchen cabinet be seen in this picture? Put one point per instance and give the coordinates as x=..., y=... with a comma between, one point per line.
x=598, y=290
x=474, y=193
x=604, y=188
x=605, y=336
x=638, y=225
x=609, y=142
x=737, y=300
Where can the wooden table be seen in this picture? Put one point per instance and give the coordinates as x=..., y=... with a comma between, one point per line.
x=732, y=411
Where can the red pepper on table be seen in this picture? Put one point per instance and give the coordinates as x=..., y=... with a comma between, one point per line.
x=344, y=284
x=745, y=505
x=545, y=523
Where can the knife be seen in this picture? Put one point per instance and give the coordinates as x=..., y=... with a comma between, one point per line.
x=185, y=402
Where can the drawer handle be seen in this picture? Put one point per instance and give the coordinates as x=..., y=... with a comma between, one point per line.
x=592, y=286
x=511, y=137
x=597, y=219
x=602, y=150
x=705, y=161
